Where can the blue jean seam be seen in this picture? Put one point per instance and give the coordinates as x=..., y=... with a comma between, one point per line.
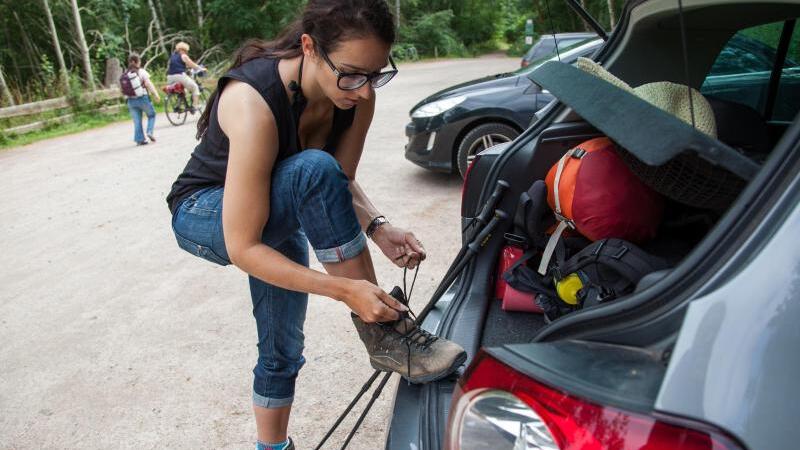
x=348, y=250
x=270, y=402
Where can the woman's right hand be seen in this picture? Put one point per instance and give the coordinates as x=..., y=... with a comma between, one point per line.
x=370, y=302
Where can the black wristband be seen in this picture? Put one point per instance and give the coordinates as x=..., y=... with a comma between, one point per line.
x=373, y=226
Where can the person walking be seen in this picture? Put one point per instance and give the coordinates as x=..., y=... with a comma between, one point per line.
x=135, y=84
x=176, y=71
x=275, y=170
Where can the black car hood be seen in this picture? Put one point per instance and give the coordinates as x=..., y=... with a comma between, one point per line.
x=500, y=80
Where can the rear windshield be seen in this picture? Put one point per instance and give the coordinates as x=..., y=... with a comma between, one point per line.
x=567, y=54
x=742, y=71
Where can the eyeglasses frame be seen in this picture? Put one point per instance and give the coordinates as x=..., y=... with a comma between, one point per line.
x=368, y=76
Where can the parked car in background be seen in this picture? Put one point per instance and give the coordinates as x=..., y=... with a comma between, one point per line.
x=451, y=125
x=546, y=45
x=700, y=355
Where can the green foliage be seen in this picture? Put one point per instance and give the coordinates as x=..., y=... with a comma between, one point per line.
x=113, y=28
x=405, y=52
x=432, y=34
x=81, y=122
x=74, y=94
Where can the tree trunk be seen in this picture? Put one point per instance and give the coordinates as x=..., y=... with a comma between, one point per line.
x=397, y=14
x=30, y=53
x=586, y=26
x=4, y=90
x=200, y=14
x=611, y=16
x=113, y=72
x=62, y=68
x=87, y=64
x=158, y=27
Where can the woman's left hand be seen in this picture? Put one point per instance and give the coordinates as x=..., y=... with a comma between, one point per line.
x=399, y=245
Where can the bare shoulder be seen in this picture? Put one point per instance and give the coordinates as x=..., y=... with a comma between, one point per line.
x=241, y=107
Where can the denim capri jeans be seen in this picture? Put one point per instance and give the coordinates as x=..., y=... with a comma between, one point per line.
x=309, y=203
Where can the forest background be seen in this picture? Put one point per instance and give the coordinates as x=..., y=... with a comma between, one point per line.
x=50, y=48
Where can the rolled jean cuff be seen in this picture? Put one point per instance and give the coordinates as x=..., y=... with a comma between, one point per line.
x=343, y=252
x=267, y=402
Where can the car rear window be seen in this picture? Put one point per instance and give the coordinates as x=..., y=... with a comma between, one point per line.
x=741, y=73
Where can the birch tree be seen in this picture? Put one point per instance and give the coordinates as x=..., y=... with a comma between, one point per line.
x=84, y=49
x=62, y=68
x=4, y=89
x=158, y=27
x=611, y=15
x=200, y=14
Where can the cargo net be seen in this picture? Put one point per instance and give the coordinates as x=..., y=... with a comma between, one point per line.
x=689, y=179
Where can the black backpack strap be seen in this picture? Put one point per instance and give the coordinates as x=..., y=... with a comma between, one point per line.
x=524, y=279
x=612, y=267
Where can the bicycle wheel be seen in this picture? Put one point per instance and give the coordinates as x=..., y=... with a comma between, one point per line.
x=176, y=109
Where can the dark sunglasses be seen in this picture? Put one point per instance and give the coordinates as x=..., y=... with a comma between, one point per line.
x=350, y=81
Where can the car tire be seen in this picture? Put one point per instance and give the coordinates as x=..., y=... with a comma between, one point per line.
x=479, y=139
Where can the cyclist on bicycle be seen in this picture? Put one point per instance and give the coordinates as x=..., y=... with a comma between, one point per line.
x=176, y=71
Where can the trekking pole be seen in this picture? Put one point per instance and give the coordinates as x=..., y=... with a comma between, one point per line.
x=347, y=410
x=491, y=204
x=375, y=395
x=470, y=250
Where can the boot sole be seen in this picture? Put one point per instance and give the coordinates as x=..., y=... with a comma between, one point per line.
x=458, y=362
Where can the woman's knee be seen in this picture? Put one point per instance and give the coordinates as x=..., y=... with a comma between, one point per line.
x=319, y=162
x=320, y=169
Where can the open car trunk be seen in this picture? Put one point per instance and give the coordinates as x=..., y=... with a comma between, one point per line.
x=701, y=245
x=682, y=228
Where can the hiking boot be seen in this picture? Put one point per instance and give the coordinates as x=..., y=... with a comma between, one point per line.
x=403, y=347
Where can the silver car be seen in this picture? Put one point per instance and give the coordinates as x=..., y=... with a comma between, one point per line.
x=703, y=355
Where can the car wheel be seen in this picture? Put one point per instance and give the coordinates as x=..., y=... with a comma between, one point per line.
x=479, y=139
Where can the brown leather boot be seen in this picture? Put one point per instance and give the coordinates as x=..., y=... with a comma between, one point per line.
x=401, y=346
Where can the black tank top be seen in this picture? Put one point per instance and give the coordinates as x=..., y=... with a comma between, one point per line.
x=209, y=160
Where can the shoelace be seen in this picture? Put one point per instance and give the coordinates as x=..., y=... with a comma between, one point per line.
x=415, y=336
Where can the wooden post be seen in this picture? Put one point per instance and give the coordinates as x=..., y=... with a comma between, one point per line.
x=87, y=64
x=158, y=27
x=4, y=89
x=62, y=68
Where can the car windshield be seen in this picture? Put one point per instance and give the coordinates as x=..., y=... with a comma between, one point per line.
x=569, y=54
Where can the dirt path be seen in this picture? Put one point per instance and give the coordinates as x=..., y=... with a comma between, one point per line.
x=112, y=337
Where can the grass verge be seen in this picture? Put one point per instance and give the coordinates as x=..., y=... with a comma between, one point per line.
x=81, y=122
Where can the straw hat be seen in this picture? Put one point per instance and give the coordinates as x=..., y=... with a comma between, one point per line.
x=686, y=178
x=671, y=97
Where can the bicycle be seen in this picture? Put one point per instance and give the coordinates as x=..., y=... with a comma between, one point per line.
x=177, y=106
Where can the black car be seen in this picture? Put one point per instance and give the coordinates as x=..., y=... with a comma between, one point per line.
x=546, y=45
x=451, y=125
x=699, y=355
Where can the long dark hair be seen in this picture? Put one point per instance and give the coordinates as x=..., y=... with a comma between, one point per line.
x=328, y=22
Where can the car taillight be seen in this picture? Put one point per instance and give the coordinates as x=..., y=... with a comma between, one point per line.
x=496, y=407
x=470, y=165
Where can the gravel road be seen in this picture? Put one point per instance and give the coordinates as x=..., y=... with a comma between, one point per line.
x=112, y=337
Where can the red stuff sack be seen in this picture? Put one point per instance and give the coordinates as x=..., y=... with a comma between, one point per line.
x=513, y=300
x=592, y=191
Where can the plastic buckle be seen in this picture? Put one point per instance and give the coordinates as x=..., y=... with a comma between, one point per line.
x=566, y=220
x=620, y=253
